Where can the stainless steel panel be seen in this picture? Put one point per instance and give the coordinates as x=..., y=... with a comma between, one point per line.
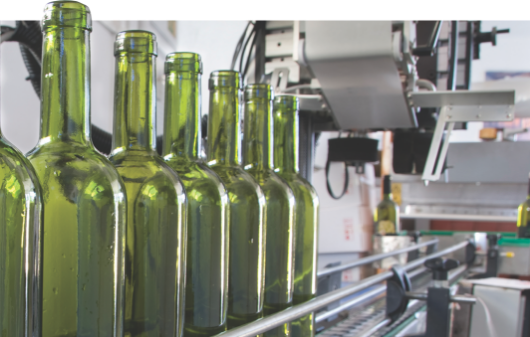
x=355, y=66
x=519, y=264
x=433, y=99
x=489, y=162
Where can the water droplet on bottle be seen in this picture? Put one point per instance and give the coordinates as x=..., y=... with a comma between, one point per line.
x=64, y=256
x=55, y=291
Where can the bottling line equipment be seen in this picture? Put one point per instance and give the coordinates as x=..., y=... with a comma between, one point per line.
x=366, y=76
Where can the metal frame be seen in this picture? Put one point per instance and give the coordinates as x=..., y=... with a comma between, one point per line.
x=467, y=106
x=297, y=311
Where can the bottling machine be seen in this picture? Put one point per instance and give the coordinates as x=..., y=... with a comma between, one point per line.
x=369, y=76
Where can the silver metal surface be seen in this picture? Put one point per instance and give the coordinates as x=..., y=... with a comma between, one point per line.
x=473, y=162
x=464, y=217
x=355, y=64
x=373, y=258
x=519, y=264
x=438, y=99
x=419, y=262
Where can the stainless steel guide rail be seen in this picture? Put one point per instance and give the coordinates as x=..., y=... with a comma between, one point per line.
x=297, y=311
x=373, y=258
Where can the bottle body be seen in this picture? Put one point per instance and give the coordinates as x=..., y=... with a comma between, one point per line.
x=280, y=203
x=386, y=217
x=84, y=241
x=207, y=217
x=280, y=246
x=155, y=245
x=523, y=218
x=286, y=151
x=247, y=202
x=155, y=249
x=20, y=245
x=83, y=196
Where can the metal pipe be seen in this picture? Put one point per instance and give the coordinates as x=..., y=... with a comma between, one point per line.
x=376, y=327
x=417, y=272
x=418, y=262
x=290, y=314
x=373, y=258
x=357, y=300
x=270, y=322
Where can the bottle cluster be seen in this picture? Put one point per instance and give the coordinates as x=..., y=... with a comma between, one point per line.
x=138, y=244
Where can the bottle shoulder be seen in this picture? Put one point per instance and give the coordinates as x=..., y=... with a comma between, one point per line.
x=239, y=183
x=70, y=164
x=199, y=180
x=16, y=170
x=147, y=169
x=273, y=186
x=300, y=186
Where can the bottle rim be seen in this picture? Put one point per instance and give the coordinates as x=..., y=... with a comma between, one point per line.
x=289, y=102
x=224, y=79
x=183, y=62
x=136, y=41
x=258, y=90
x=66, y=14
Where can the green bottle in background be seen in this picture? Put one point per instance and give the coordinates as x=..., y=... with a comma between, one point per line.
x=83, y=195
x=386, y=216
x=280, y=203
x=207, y=224
x=247, y=202
x=155, y=249
x=20, y=244
x=523, y=217
x=286, y=140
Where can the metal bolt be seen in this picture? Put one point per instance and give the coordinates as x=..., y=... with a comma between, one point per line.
x=478, y=116
x=449, y=116
x=509, y=115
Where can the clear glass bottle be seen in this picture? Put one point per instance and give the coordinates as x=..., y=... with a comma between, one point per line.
x=83, y=195
x=207, y=224
x=523, y=217
x=247, y=202
x=20, y=244
x=386, y=216
x=286, y=140
x=155, y=246
x=280, y=203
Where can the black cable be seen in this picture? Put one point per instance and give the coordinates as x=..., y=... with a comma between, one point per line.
x=346, y=181
x=252, y=33
x=239, y=44
x=247, y=63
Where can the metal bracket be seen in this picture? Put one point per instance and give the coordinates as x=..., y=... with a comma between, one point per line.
x=396, y=293
x=279, y=79
x=463, y=106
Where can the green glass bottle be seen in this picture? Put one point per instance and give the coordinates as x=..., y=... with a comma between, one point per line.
x=20, y=245
x=523, y=217
x=83, y=195
x=247, y=202
x=286, y=142
x=280, y=203
x=207, y=224
x=386, y=216
x=155, y=249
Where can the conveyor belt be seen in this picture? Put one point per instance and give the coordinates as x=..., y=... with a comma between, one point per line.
x=361, y=322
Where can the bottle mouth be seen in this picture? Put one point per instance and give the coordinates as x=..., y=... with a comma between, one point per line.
x=135, y=41
x=224, y=79
x=183, y=61
x=61, y=14
x=258, y=90
x=286, y=102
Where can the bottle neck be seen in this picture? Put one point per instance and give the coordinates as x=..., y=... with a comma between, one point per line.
x=387, y=196
x=65, y=108
x=224, y=127
x=182, y=131
x=257, y=142
x=286, y=137
x=134, y=102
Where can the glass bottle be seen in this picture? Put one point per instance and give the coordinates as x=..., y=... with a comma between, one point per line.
x=523, y=217
x=386, y=216
x=280, y=203
x=247, y=202
x=207, y=224
x=83, y=195
x=155, y=246
x=20, y=244
x=286, y=142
